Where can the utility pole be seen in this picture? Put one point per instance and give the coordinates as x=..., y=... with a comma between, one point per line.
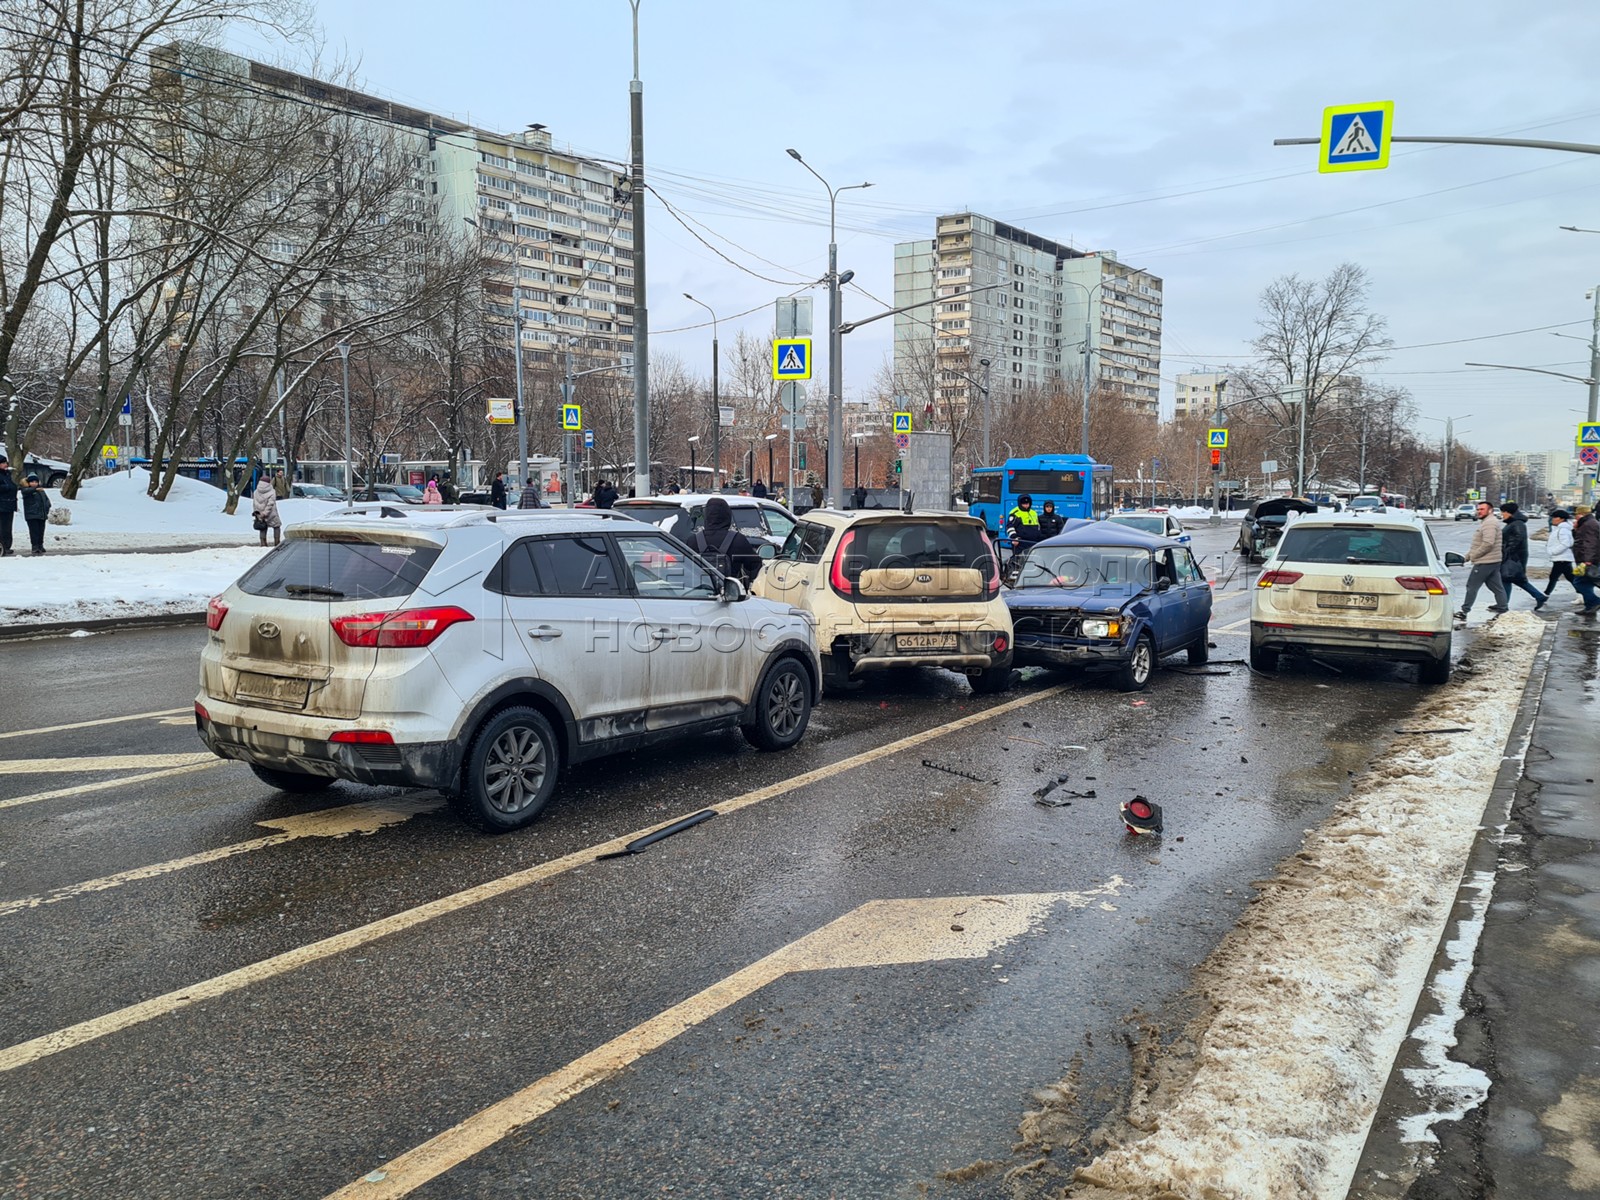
x=569, y=387
x=1300, y=460
x=641, y=315
x=522, y=413
x=1216, y=472
x=1588, y=476
x=1362, y=482
x=984, y=363
x=349, y=481
x=716, y=401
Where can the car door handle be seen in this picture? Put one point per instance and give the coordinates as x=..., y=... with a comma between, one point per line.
x=662, y=635
x=544, y=633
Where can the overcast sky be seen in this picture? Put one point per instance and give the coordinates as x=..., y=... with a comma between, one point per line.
x=1145, y=129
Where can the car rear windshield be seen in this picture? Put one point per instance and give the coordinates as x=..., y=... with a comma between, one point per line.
x=1143, y=524
x=915, y=543
x=1354, y=544
x=674, y=518
x=321, y=569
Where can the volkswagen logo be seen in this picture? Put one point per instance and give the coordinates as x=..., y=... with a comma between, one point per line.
x=924, y=578
x=268, y=630
x=1349, y=581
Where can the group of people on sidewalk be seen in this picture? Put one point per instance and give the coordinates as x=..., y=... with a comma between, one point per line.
x=35, y=504
x=1499, y=556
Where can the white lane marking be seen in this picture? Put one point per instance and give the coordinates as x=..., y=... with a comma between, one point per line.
x=164, y=712
x=100, y=762
x=1233, y=625
x=34, y=1049
x=366, y=817
x=879, y=933
x=104, y=784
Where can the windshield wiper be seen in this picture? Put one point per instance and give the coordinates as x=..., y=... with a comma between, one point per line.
x=313, y=589
x=1377, y=562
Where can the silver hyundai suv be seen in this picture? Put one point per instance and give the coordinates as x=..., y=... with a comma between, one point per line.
x=480, y=653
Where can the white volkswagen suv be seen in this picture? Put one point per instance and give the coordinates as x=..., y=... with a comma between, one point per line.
x=480, y=653
x=1356, y=584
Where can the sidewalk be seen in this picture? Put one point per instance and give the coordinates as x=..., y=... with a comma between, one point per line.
x=1515, y=1053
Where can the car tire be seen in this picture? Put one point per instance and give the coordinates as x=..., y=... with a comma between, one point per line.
x=295, y=782
x=990, y=681
x=1265, y=661
x=782, y=707
x=1200, y=652
x=1435, y=671
x=1134, y=674
x=510, y=771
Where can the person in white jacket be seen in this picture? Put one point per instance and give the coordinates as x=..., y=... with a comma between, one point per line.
x=1560, y=548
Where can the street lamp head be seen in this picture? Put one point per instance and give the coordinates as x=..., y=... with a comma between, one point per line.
x=845, y=277
x=863, y=185
x=770, y=436
x=686, y=296
x=983, y=362
x=794, y=154
x=695, y=438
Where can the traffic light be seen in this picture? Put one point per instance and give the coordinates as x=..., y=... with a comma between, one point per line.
x=897, y=466
x=1216, y=460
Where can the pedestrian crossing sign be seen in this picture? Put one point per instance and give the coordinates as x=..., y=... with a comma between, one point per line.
x=1589, y=433
x=902, y=422
x=1217, y=439
x=1355, y=137
x=791, y=358
x=572, y=416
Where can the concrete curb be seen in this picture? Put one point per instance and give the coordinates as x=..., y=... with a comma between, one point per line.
x=17, y=633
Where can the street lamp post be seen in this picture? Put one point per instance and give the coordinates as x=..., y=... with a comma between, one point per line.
x=716, y=401
x=1088, y=352
x=522, y=414
x=694, y=475
x=835, y=466
x=349, y=481
x=984, y=388
x=771, y=437
x=641, y=319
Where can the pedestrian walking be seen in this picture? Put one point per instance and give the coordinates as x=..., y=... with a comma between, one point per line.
x=1484, y=555
x=1514, y=553
x=1586, y=556
x=497, y=490
x=430, y=494
x=35, y=511
x=8, y=506
x=1560, y=547
x=816, y=495
x=531, y=497
x=264, y=511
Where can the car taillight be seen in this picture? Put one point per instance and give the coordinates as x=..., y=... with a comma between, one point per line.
x=408, y=629
x=201, y=712
x=1422, y=583
x=215, y=611
x=1278, y=578
x=1000, y=643
x=836, y=576
x=363, y=737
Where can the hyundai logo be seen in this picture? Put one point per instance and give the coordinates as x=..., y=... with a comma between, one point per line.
x=1349, y=581
x=268, y=630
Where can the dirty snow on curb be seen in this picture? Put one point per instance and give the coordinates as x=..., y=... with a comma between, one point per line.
x=89, y=587
x=1310, y=996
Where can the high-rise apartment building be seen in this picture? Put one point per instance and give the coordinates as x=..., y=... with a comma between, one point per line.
x=1042, y=303
x=1196, y=394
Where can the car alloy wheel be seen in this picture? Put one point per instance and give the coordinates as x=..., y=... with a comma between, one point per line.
x=515, y=769
x=782, y=707
x=786, y=703
x=1140, y=664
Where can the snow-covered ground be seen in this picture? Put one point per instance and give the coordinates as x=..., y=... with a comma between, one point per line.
x=97, y=587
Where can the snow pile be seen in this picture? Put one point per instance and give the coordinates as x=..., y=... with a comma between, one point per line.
x=1309, y=997
x=1195, y=512
x=89, y=587
x=112, y=511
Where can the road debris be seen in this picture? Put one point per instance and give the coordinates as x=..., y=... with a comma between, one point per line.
x=933, y=766
x=641, y=843
x=1141, y=816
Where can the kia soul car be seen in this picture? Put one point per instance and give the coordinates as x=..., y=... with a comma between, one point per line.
x=889, y=590
x=482, y=653
x=1355, y=585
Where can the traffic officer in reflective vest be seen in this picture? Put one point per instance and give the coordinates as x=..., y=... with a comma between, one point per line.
x=1022, y=525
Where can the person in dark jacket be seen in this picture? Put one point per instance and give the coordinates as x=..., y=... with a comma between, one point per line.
x=1514, y=553
x=1585, y=553
x=8, y=506
x=723, y=546
x=1050, y=521
x=531, y=497
x=35, y=511
x=497, y=490
x=759, y=491
x=605, y=495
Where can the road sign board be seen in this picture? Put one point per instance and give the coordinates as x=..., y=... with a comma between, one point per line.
x=1217, y=439
x=69, y=413
x=1229, y=485
x=791, y=358
x=125, y=417
x=902, y=422
x=1355, y=137
x=1589, y=456
x=793, y=317
x=108, y=451
x=1269, y=466
x=1588, y=433
x=502, y=412
x=571, y=416
x=588, y=439
x=902, y=440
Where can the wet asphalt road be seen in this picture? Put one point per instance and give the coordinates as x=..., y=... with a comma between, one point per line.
x=867, y=1081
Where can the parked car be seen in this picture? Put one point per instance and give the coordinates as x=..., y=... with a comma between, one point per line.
x=1154, y=523
x=397, y=493
x=1360, y=585
x=889, y=590
x=1107, y=597
x=315, y=491
x=760, y=520
x=1264, y=521
x=1366, y=504
x=481, y=653
x=1466, y=512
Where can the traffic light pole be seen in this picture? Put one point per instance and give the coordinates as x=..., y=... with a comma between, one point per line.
x=1216, y=467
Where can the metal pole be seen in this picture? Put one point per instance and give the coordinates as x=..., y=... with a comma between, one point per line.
x=716, y=416
x=1300, y=462
x=694, y=477
x=1363, y=480
x=1520, y=143
x=1088, y=363
x=987, y=461
x=522, y=415
x=835, y=459
x=569, y=389
x=349, y=480
x=1449, y=436
x=1588, y=476
x=1216, y=475
x=641, y=317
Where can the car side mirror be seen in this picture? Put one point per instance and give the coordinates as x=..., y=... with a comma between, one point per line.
x=732, y=591
x=767, y=551
x=1452, y=559
x=1163, y=585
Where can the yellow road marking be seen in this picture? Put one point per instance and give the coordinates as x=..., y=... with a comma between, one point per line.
x=100, y=762
x=367, y=817
x=104, y=784
x=165, y=712
x=34, y=1049
x=878, y=934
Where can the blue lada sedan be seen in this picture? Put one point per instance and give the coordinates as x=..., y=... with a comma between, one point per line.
x=1107, y=598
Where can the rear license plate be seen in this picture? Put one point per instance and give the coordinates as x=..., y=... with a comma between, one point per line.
x=1346, y=600
x=273, y=689
x=925, y=641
